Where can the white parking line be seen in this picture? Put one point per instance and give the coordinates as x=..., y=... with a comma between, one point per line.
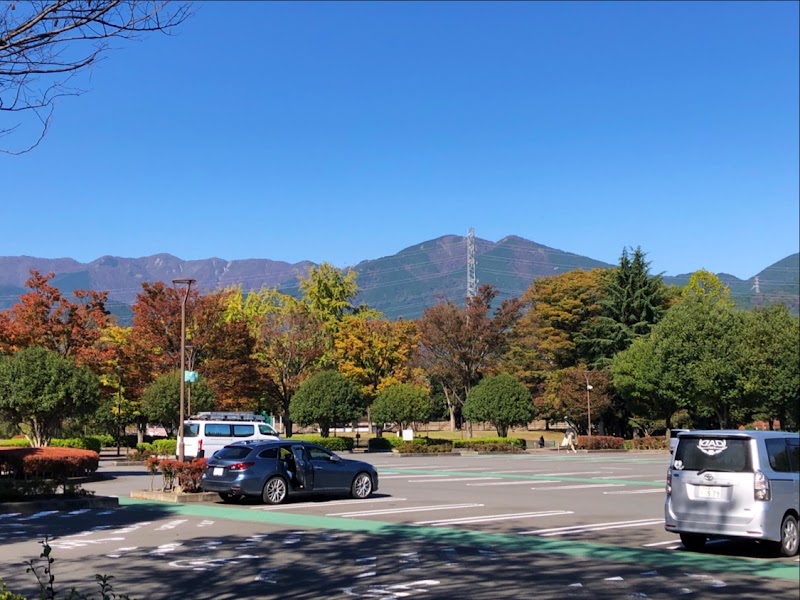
x=523, y=482
x=675, y=543
x=647, y=491
x=578, y=487
x=326, y=504
x=488, y=518
x=454, y=479
x=593, y=527
x=388, y=511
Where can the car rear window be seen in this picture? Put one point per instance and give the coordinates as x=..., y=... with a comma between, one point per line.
x=697, y=453
x=232, y=452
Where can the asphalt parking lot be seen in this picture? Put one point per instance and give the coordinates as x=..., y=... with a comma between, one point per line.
x=536, y=525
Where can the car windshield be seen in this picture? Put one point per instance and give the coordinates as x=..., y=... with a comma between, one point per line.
x=232, y=452
x=697, y=453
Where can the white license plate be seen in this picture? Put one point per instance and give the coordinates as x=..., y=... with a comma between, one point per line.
x=218, y=471
x=709, y=491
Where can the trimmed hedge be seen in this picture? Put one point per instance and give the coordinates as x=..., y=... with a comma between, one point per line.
x=53, y=463
x=85, y=443
x=600, y=442
x=335, y=444
x=383, y=444
x=650, y=443
x=492, y=444
x=15, y=443
x=425, y=445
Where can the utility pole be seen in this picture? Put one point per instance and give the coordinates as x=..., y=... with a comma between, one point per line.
x=472, y=281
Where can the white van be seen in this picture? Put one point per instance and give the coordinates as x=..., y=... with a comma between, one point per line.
x=735, y=484
x=207, y=432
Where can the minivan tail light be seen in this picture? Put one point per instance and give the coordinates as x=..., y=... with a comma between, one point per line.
x=241, y=466
x=199, y=444
x=761, y=487
x=669, y=482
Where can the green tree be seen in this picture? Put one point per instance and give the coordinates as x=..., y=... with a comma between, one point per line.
x=328, y=399
x=330, y=292
x=402, y=403
x=161, y=400
x=501, y=400
x=39, y=389
x=769, y=358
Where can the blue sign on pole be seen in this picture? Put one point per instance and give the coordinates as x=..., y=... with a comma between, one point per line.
x=190, y=376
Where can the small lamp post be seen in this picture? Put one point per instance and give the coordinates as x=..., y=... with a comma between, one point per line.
x=588, y=406
x=119, y=410
x=188, y=283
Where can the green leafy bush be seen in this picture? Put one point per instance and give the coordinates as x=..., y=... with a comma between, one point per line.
x=335, y=444
x=85, y=443
x=492, y=444
x=106, y=441
x=383, y=444
x=425, y=445
x=15, y=443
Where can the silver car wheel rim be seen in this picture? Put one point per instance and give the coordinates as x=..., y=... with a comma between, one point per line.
x=790, y=535
x=363, y=486
x=276, y=490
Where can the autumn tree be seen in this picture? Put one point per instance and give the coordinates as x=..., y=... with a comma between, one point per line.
x=458, y=345
x=376, y=353
x=47, y=318
x=224, y=348
x=291, y=341
x=330, y=293
x=501, y=400
x=39, y=389
x=402, y=403
x=44, y=44
x=328, y=399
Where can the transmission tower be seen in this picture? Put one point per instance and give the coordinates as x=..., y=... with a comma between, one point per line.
x=756, y=287
x=472, y=281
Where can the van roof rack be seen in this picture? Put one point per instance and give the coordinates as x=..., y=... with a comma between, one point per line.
x=227, y=416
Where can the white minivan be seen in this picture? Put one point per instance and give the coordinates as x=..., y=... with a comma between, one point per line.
x=207, y=432
x=735, y=484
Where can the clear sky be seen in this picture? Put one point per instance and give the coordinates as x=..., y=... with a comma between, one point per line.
x=340, y=132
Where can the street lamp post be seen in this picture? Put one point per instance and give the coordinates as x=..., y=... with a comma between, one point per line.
x=119, y=410
x=188, y=283
x=588, y=407
x=190, y=354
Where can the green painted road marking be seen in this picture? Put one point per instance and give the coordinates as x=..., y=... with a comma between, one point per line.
x=644, y=557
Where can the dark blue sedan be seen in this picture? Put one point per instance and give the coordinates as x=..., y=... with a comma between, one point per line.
x=275, y=470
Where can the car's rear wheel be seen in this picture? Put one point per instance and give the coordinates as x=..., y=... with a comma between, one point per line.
x=229, y=498
x=275, y=490
x=789, y=536
x=693, y=541
x=362, y=486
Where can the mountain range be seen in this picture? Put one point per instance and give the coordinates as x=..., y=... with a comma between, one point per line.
x=400, y=285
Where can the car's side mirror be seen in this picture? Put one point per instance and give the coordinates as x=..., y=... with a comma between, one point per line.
x=335, y=458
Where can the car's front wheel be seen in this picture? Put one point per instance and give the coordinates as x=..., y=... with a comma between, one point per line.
x=789, y=536
x=693, y=541
x=275, y=490
x=362, y=486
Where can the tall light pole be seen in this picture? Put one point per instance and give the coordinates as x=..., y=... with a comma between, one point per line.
x=188, y=283
x=190, y=354
x=588, y=406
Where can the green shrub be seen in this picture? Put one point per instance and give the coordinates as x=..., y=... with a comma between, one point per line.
x=425, y=445
x=492, y=444
x=106, y=441
x=167, y=446
x=382, y=444
x=85, y=443
x=15, y=443
x=7, y=595
x=335, y=444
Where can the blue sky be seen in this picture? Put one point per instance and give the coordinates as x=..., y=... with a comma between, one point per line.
x=340, y=132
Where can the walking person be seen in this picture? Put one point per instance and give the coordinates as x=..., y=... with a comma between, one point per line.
x=571, y=440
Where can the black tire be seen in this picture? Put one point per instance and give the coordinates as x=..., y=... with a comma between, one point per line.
x=362, y=486
x=789, y=536
x=229, y=498
x=693, y=541
x=275, y=490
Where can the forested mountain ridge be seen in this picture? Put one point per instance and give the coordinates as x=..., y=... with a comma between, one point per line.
x=400, y=285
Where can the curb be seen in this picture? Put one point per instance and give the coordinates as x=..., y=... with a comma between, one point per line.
x=67, y=504
x=175, y=497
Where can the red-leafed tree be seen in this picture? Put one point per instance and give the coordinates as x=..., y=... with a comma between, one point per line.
x=224, y=348
x=45, y=317
x=458, y=345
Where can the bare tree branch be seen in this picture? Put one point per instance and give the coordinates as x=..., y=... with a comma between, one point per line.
x=44, y=43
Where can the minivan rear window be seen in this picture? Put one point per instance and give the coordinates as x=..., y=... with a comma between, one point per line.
x=784, y=455
x=697, y=453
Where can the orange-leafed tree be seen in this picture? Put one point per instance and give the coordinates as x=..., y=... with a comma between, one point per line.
x=48, y=318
